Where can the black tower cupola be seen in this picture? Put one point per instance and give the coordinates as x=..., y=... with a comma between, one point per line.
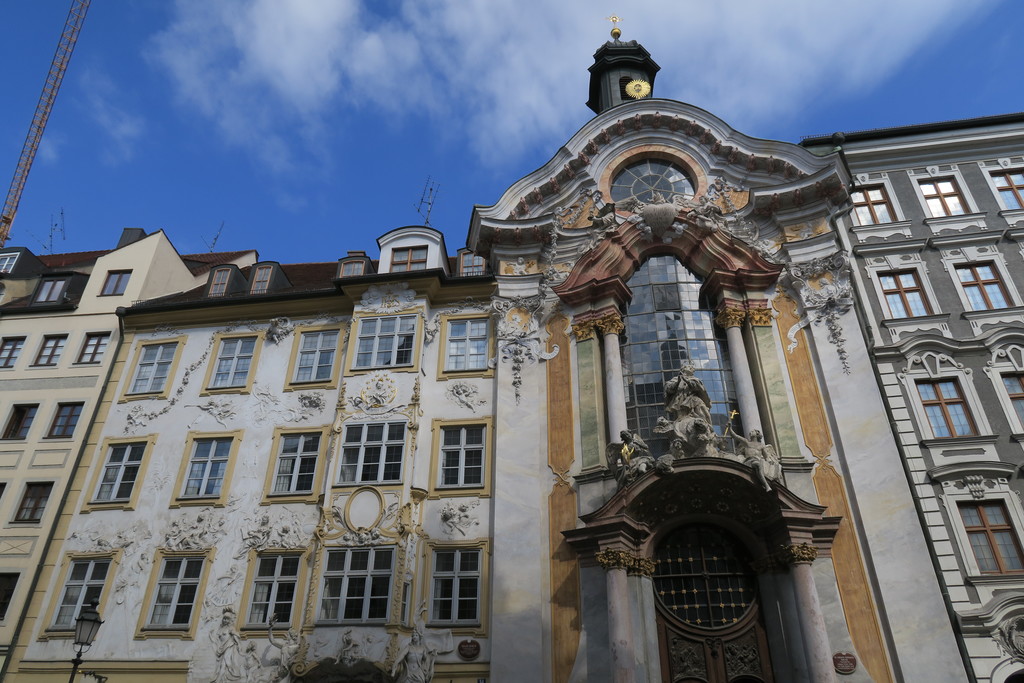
x=618, y=64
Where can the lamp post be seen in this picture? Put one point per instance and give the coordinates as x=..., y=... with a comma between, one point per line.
x=86, y=627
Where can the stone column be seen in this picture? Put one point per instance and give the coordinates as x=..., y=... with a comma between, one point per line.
x=611, y=327
x=812, y=621
x=731, y=318
x=618, y=564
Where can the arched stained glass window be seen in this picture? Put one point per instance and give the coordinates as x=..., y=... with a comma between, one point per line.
x=667, y=326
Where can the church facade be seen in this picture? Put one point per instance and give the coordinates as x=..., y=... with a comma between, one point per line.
x=645, y=427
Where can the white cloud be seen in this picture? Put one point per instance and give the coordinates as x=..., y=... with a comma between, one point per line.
x=122, y=128
x=505, y=75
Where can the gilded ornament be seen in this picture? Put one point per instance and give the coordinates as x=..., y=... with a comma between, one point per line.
x=584, y=330
x=803, y=553
x=614, y=559
x=638, y=89
x=610, y=324
x=642, y=566
x=760, y=317
x=730, y=316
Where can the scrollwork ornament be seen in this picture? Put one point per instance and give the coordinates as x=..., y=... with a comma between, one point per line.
x=824, y=289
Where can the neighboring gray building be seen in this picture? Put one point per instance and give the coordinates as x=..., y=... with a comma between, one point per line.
x=936, y=231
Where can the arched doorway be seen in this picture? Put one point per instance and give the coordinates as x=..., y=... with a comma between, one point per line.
x=709, y=621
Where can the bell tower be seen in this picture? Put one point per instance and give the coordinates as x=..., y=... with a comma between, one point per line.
x=622, y=71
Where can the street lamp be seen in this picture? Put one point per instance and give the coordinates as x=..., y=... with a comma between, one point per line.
x=86, y=627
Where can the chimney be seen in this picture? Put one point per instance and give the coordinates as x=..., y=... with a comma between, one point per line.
x=130, y=236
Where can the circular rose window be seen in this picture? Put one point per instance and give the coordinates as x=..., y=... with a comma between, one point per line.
x=645, y=179
x=702, y=577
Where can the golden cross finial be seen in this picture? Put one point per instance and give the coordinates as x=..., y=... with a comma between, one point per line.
x=616, y=31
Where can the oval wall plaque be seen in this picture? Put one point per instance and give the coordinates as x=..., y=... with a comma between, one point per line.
x=469, y=649
x=844, y=662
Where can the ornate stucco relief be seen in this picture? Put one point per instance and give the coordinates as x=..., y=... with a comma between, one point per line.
x=467, y=305
x=518, y=328
x=458, y=516
x=388, y=298
x=464, y=394
x=823, y=288
x=136, y=557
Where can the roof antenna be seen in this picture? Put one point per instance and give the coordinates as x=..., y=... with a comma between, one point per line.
x=429, y=196
x=56, y=226
x=211, y=245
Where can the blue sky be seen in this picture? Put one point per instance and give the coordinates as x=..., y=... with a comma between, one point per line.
x=309, y=127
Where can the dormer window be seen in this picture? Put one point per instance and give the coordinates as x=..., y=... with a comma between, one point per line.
x=7, y=262
x=219, y=283
x=408, y=258
x=352, y=268
x=261, y=280
x=50, y=291
x=471, y=264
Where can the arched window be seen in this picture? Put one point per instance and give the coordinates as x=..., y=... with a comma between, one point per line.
x=668, y=326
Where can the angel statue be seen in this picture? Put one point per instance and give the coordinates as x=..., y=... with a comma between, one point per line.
x=760, y=457
x=628, y=458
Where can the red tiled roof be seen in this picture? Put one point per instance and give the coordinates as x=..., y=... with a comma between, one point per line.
x=70, y=258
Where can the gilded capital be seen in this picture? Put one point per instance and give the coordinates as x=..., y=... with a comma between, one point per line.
x=622, y=559
x=760, y=317
x=584, y=329
x=803, y=553
x=730, y=316
x=642, y=566
x=610, y=324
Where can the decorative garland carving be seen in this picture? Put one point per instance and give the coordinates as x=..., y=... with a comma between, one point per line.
x=518, y=331
x=824, y=301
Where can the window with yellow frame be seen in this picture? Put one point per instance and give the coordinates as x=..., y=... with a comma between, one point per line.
x=458, y=594
x=85, y=578
x=152, y=369
x=233, y=367
x=296, y=475
x=206, y=468
x=174, y=595
x=273, y=589
x=466, y=346
x=391, y=342
x=460, y=458
x=314, y=358
x=115, y=484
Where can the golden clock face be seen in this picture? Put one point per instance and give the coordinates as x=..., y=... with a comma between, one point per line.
x=638, y=89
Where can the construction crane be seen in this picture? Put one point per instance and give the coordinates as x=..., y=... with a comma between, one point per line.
x=65, y=46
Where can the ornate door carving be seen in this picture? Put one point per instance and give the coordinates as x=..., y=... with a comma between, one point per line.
x=709, y=626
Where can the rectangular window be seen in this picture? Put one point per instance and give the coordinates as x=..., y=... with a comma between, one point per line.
x=411, y=258
x=50, y=291
x=943, y=197
x=316, y=356
x=273, y=589
x=10, y=347
x=120, y=472
x=94, y=347
x=153, y=368
x=992, y=537
x=33, y=502
x=20, y=421
x=352, y=268
x=386, y=342
x=462, y=456
x=176, y=592
x=871, y=206
x=206, y=468
x=7, y=262
x=946, y=408
x=117, y=281
x=49, y=352
x=471, y=264
x=904, y=295
x=467, y=345
x=8, y=582
x=296, y=463
x=456, y=589
x=261, y=279
x=83, y=586
x=233, y=362
x=1010, y=185
x=1015, y=388
x=219, y=283
x=357, y=585
x=64, y=421
x=372, y=453
x=982, y=285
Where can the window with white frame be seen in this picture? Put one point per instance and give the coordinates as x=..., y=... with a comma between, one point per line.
x=261, y=280
x=467, y=345
x=7, y=262
x=462, y=456
x=153, y=368
x=273, y=589
x=352, y=268
x=455, y=594
x=50, y=291
x=219, y=282
x=372, y=453
x=385, y=342
x=234, y=359
x=120, y=472
x=315, y=362
x=176, y=591
x=993, y=540
x=296, y=463
x=207, y=467
x=84, y=584
x=357, y=585
x=471, y=264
